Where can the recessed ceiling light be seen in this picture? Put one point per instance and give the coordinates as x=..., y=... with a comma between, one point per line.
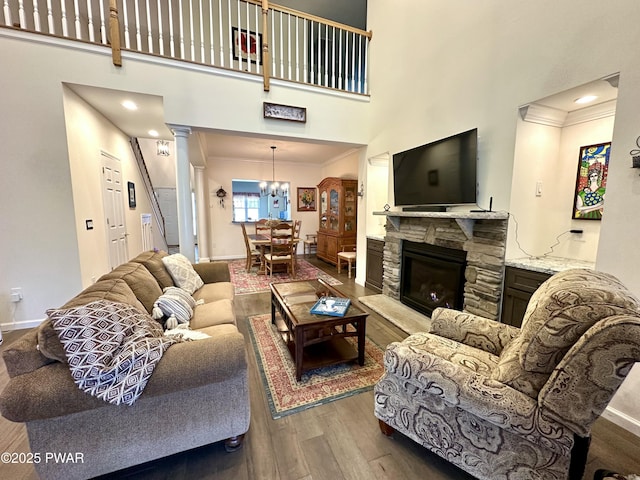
x=129, y=105
x=154, y=133
x=586, y=99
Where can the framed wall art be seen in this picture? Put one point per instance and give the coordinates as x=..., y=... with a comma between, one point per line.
x=132, y=194
x=247, y=46
x=284, y=112
x=307, y=199
x=591, y=181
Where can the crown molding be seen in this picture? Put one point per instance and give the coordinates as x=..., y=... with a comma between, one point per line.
x=554, y=117
x=543, y=115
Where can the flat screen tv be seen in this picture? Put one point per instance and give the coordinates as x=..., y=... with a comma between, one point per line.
x=439, y=173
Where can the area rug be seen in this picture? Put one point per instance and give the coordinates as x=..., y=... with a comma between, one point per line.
x=316, y=387
x=250, y=282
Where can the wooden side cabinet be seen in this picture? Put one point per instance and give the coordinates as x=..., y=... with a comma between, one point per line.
x=519, y=285
x=338, y=215
x=375, y=256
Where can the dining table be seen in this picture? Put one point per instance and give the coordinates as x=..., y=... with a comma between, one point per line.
x=261, y=242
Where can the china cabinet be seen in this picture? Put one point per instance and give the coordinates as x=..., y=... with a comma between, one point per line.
x=338, y=214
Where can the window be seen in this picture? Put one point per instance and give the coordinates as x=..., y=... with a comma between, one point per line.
x=246, y=207
x=251, y=202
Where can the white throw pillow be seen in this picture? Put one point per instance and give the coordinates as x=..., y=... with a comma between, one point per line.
x=182, y=272
x=171, y=305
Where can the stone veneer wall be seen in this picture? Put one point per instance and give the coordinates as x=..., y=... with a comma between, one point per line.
x=485, y=257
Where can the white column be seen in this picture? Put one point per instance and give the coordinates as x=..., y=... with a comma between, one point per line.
x=183, y=192
x=202, y=208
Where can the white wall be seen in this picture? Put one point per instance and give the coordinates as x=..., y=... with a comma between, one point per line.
x=550, y=155
x=439, y=68
x=162, y=170
x=88, y=134
x=226, y=237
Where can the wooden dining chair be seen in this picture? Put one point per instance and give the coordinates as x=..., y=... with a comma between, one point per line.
x=261, y=227
x=253, y=255
x=281, y=249
x=348, y=254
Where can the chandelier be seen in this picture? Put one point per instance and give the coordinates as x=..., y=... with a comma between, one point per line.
x=274, y=188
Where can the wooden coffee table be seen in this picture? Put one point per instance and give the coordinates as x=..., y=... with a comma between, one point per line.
x=316, y=340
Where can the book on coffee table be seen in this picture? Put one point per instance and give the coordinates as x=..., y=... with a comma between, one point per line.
x=333, y=306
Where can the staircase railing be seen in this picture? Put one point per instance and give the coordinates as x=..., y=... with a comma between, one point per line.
x=155, y=205
x=251, y=36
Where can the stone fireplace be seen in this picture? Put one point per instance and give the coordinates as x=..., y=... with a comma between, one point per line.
x=482, y=235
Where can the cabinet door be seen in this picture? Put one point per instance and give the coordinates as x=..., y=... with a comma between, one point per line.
x=324, y=209
x=334, y=210
x=374, y=265
x=332, y=248
x=514, y=306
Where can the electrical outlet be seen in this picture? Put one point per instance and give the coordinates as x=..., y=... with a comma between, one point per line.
x=16, y=294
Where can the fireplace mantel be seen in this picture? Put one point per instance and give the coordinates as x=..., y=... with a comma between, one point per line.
x=465, y=220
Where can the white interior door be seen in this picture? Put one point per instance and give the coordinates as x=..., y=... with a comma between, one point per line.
x=113, y=199
x=169, y=208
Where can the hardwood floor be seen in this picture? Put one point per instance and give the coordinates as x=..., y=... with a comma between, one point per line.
x=339, y=440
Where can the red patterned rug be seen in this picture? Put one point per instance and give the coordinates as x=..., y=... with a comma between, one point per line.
x=252, y=282
x=317, y=387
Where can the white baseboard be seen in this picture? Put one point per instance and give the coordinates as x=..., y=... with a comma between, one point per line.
x=622, y=420
x=24, y=324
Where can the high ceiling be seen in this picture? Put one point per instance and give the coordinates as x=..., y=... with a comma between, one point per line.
x=150, y=116
x=233, y=145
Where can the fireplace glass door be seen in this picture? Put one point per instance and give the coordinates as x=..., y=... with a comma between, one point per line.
x=431, y=277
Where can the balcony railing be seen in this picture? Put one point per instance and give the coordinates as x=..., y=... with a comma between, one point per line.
x=245, y=35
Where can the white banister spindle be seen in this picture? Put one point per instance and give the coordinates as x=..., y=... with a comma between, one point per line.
x=333, y=57
x=76, y=13
x=312, y=68
x=65, y=20
x=21, y=14
x=172, y=48
x=346, y=60
x=127, y=41
x=326, y=55
x=211, y=49
x=201, y=25
x=353, y=63
x=160, y=30
x=297, y=37
x=281, y=55
x=36, y=16
x=366, y=62
x=7, y=13
x=220, y=29
x=247, y=37
x=359, y=63
x=181, y=25
x=257, y=11
x=229, y=30
x=288, y=46
x=272, y=43
x=92, y=37
x=192, y=39
x=149, y=34
x=50, y=22
x=239, y=39
x=340, y=82
x=319, y=56
x=305, y=49
x=138, y=33
x=201, y=18
x=103, y=24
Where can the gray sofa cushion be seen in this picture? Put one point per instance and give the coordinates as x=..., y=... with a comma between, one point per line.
x=114, y=289
x=213, y=313
x=142, y=283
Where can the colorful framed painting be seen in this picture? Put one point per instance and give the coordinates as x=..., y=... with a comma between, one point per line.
x=307, y=199
x=247, y=46
x=591, y=182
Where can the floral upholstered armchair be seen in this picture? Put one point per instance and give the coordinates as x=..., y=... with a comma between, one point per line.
x=502, y=402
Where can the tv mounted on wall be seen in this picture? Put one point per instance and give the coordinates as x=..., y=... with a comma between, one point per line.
x=437, y=174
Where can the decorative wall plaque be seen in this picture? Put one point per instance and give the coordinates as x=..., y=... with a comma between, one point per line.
x=285, y=112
